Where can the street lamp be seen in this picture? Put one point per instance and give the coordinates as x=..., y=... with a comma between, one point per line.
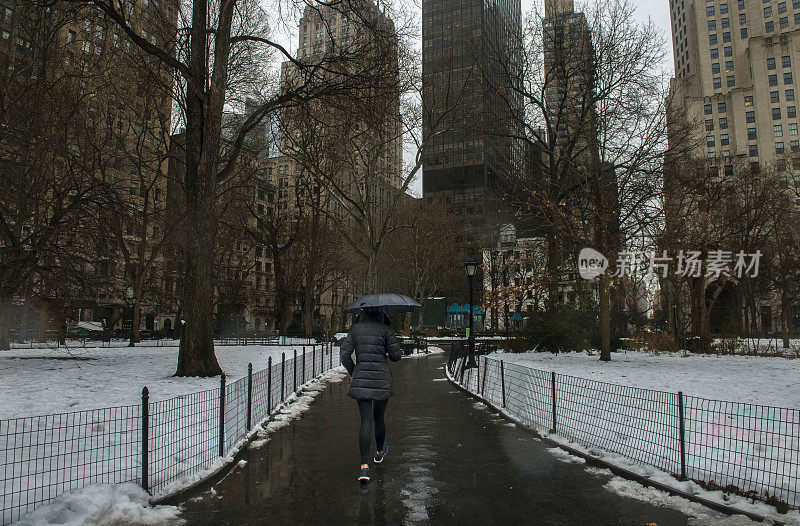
x=471, y=267
x=129, y=297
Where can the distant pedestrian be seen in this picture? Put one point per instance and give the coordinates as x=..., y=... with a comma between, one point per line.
x=373, y=341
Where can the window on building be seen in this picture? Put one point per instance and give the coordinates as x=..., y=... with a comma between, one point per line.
x=784, y=22
x=723, y=139
x=723, y=8
x=726, y=36
x=795, y=146
x=725, y=22
x=715, y=67
x=709, y=141
x=729, y=65
x=779, y=147
x=793, y=128
x=728, y=51
x=768, y=11
x=740, y=4
x=748, y=101
x=717, y=82
x=707, y=109
x=777, y=130
x=709, y=124
x=728, y=170
x=715, y=53
x=797, y=18
x=791, y=112
x=795, y=4
x=770, y=63
x=730, y=81
x=752, y=150
x=71, y=36
x=712, y=25
x=743, y=32
x=781, y=7
x=742, y=18
x=789, y=95
x=786, y=61
x=776, y=114
x=787, y=77
x=712, y=39
x=769, y=27
x=773, y=80
x=751, y=134
x=750, y=116
x=723, y=123
x=710, y=10
x=774, y=97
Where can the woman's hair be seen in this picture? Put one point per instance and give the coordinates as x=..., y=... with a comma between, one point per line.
x=372, y=313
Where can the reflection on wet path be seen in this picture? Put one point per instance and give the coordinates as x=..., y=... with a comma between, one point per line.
x=449, y=462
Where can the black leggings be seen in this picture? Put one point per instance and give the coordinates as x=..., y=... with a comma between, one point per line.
x=371, y=410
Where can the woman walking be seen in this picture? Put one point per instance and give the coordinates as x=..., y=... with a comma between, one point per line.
x=372, y=340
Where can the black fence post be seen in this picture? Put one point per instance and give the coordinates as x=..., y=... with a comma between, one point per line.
x=483, y=382
x=682, y=436
x=313, y=361
x=294, y=371
x=503, y=380
x=145, y=438
x=553, y=394
x=221, y=414
x=269, y=385
x=249, y=394
x=283, y=375
x=304, y=365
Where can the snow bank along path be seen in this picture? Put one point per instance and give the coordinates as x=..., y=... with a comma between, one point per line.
x=744, y=448
x=43, y=457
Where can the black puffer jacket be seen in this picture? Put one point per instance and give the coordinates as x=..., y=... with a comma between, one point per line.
x=372, y=342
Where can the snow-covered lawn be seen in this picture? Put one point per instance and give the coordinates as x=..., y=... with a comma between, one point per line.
x=629, y=409
x=749, y=379
x=59, y=380
x=78, y=443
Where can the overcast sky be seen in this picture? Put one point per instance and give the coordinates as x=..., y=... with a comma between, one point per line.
x=657, y=10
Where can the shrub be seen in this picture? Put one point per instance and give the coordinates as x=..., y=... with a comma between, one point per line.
x=562, y=328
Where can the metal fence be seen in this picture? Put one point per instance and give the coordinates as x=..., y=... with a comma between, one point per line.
x=154, y=444
x=749, y=449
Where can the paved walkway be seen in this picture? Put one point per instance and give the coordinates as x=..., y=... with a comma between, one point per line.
x=448, y=463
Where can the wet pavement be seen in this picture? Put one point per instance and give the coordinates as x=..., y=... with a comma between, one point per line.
x=448, y=462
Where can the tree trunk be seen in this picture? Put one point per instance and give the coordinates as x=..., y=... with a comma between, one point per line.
x=785, y=319
x=605, y=319
x=5, y=322
x=196, y=353
x=309, y=307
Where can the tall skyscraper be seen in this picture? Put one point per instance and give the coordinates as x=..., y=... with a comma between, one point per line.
x=470, y=67
x=734, y=76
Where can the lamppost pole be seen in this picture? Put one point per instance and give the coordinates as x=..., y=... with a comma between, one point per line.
x=471, y=267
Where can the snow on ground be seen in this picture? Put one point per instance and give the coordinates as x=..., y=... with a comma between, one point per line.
x=419, y=353
x=750, y=379
x=103, y=504
x=45, y=381
x=725, y=444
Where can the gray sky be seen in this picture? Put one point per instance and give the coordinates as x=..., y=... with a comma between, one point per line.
x=657, y=10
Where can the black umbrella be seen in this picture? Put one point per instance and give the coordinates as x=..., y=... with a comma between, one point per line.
x=387, y=302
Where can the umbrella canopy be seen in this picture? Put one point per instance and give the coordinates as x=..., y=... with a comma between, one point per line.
x=388, y=303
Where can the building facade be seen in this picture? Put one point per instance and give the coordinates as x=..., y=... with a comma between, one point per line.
x=471, y=135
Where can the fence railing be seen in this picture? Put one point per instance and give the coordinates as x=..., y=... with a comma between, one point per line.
x=749, y=449
x=155, y=444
